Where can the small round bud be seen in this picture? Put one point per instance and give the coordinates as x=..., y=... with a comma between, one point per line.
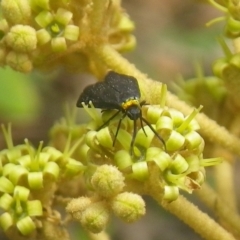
x=16, y=11
x=77, y=205
x=21, y=38
x=95, y=217
x=19, y=61
x=107, y=180
x=128, y=206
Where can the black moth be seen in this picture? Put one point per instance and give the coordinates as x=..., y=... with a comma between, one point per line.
x=120, y=92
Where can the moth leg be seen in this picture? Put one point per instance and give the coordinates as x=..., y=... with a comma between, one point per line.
x=107, y=122
x=118, y=127
x=133, y=136
x=155, y=132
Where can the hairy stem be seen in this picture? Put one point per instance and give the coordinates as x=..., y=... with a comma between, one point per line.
x=221, y=209
x=196, y=219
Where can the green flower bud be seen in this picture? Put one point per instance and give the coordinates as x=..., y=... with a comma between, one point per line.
x=71, y=32
x=128, y=45
x=235, y=60
x=17, y=173
x=179, y=164
x=95, y=217
x=21, y=193
x=107, y=180
x=35, y=180
x=43, y=36
x=19, y=61
x=91, y=140
x=74, y=167
x=44, y=18
x=104, y=137
x=171, y=193
x=193, y=162
x=16, y=11
x=164, y=122
x=123, y=137
x=144, y=139
x=6, y=221
x=6, y=186
x=13, y=154
x=63, y=16
x=6, y=201
x=140, y=171
x=161, y=158
x=220, y=66
x=175, y=141
x=123, y=159
x=193, y=140
x=128, y=206
x=153, y=113
x=40, y=4
x=233, y=25
x=34, y=208
x=22, y=38
x=125, y=24
x=26, y=226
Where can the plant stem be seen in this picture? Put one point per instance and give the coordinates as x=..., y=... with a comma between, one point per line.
x=221, y=209
x=196, y=219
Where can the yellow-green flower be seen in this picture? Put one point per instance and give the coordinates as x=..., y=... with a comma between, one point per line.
x=56, y=28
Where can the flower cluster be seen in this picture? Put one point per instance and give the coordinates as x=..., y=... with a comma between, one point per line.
x=228, y=70
x=232, y=16
x=107, y=183
x=33, y=31
x=28, y=182
x=181, y=164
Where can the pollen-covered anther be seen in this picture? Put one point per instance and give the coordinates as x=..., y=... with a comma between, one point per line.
x=19, y=61
x=22, y=38
x=128, y=206
x=77, y=205
x=95, y=217
x=107, y=180
x=16, y=11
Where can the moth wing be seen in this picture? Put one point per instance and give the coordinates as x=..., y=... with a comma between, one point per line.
x=126, y=86
x=102, y=96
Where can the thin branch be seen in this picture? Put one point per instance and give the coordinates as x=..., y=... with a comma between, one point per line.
x=221, y=209
x=196, y=219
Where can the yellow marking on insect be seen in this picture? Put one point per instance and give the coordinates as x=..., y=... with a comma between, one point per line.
x=129, y=103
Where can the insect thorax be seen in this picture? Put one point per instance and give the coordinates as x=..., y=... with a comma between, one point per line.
x=132, y=108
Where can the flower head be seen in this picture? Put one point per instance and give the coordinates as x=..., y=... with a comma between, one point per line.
x=56, y=28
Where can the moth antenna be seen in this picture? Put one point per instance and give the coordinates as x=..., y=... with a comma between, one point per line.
x=155, y=132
